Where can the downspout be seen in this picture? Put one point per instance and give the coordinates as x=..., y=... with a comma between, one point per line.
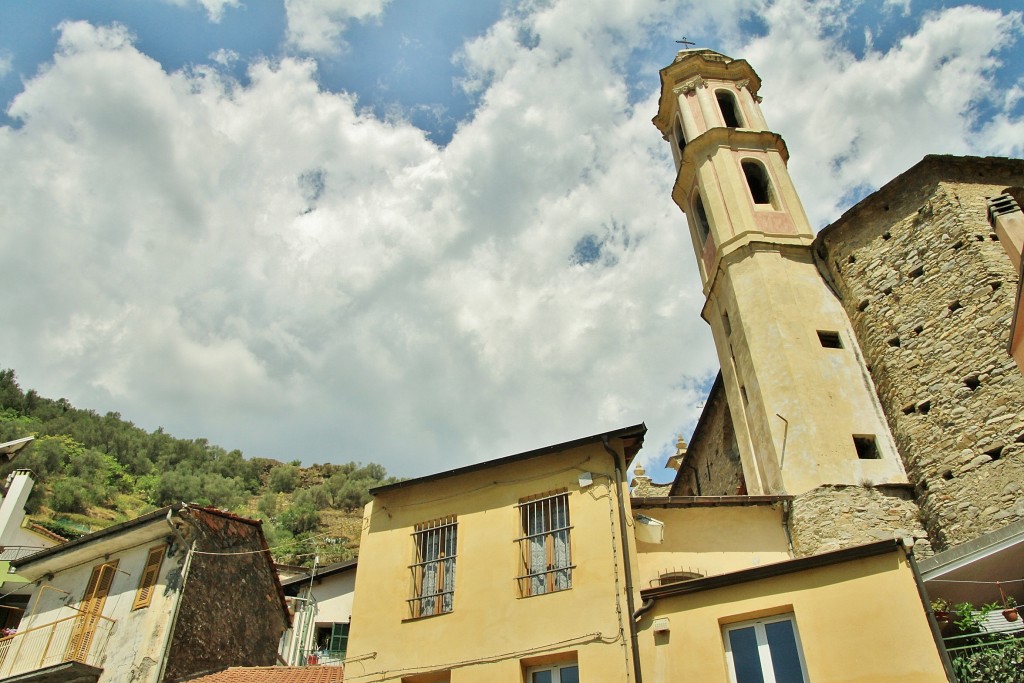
x=922, y=593
x=643, y=609
x=187, y=565
x=787, y=510
x=630, y=604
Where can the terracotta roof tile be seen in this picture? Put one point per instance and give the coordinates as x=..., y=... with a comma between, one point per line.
x=275, y=674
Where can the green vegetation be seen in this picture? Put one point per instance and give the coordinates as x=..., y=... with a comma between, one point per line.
x=981, y=656
x=92, y=471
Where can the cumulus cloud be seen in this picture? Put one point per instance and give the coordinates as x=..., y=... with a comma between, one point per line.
x=268, y=265
x=214, y=8
x=852, y=123
x=237, y=257
x=6, y=63
x=316, y=26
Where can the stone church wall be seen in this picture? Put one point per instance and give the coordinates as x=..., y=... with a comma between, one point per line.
x=711, y=466
x=930, y=292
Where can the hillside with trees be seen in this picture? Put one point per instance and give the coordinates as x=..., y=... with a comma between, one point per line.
x=94, y=470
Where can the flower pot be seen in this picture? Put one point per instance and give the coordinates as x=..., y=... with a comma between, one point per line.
x=1010, y=613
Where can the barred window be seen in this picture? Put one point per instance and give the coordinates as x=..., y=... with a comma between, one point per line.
x=433, y=568
x=545, y=556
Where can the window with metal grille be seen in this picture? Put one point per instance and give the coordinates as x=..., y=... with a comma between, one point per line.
x=544, y=551
x=144, y=595
x=433, y=568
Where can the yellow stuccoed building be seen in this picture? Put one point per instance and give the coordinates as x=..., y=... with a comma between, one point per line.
x=511, y=570
x=539, y=568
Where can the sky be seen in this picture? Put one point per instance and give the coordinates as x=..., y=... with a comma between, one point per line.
x=424, y=234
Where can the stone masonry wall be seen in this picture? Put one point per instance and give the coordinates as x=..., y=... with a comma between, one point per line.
x=833, y=517
x=713, y=457
x=930, y=292
x=231, y=610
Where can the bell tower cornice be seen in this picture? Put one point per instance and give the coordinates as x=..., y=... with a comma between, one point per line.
x=693, y=69
x=735, y=139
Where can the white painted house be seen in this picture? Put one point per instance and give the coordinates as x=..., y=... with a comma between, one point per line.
x=175, y=593
x=322, y=605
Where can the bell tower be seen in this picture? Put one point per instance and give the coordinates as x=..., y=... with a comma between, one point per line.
x=801, y=399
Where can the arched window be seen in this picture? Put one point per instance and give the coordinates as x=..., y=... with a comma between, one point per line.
x=700, y=218
x=677, y=130
x=758, y=182
x=730, y=109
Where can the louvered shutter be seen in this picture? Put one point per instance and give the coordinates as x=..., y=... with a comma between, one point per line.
x=144, y=596
x=91, y=609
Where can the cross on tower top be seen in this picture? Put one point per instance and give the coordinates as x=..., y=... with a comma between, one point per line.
x=685, y=43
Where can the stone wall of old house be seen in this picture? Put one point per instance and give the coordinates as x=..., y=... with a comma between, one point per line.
x=833, y=517
x=711, y=466
x=231, y=610
x=930, y=292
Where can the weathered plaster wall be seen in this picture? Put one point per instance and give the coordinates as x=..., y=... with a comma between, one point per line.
x=136, y=637
x=930, y=292
x=230, y=612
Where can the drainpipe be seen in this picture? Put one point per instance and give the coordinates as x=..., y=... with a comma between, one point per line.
x=787, y=510
x=922, y=593
x=630, y=605
x=643, y=609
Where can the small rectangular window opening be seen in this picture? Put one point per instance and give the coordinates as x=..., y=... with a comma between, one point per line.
x=726, y=324
x=866, y=447
x=743, y=393
x=830, y=339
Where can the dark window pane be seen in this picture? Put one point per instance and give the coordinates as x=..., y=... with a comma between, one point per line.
x=785, y=659
x=569, y=674
x=743, y=643
x=541, y=677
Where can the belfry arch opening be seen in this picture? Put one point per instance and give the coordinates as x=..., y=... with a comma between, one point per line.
x=700, y=218
x=730, y=109
x=758, y=182
x=680, y=139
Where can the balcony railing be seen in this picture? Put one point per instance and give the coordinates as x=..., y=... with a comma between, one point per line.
x=65, y=640
x=9, y=553
x=994, y=653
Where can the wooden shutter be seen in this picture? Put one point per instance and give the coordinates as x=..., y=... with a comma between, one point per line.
x=90, y=611
x=144, y=596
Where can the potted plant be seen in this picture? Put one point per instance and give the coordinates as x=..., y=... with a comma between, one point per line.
x=1010, y=608
x=940, y=608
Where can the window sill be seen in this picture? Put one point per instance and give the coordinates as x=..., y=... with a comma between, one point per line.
x=426, y=616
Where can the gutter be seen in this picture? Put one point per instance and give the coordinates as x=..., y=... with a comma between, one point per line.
x=922, y=592
x=630, y=604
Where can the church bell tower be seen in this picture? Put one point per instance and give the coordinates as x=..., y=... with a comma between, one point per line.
x=801, y=399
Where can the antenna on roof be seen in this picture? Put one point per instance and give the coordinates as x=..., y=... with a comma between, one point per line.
x=685, y=43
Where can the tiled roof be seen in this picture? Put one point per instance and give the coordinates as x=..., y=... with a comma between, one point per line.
x=276, y=674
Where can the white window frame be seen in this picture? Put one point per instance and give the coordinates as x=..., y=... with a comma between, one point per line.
x=763, y=650
x=555, y=669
